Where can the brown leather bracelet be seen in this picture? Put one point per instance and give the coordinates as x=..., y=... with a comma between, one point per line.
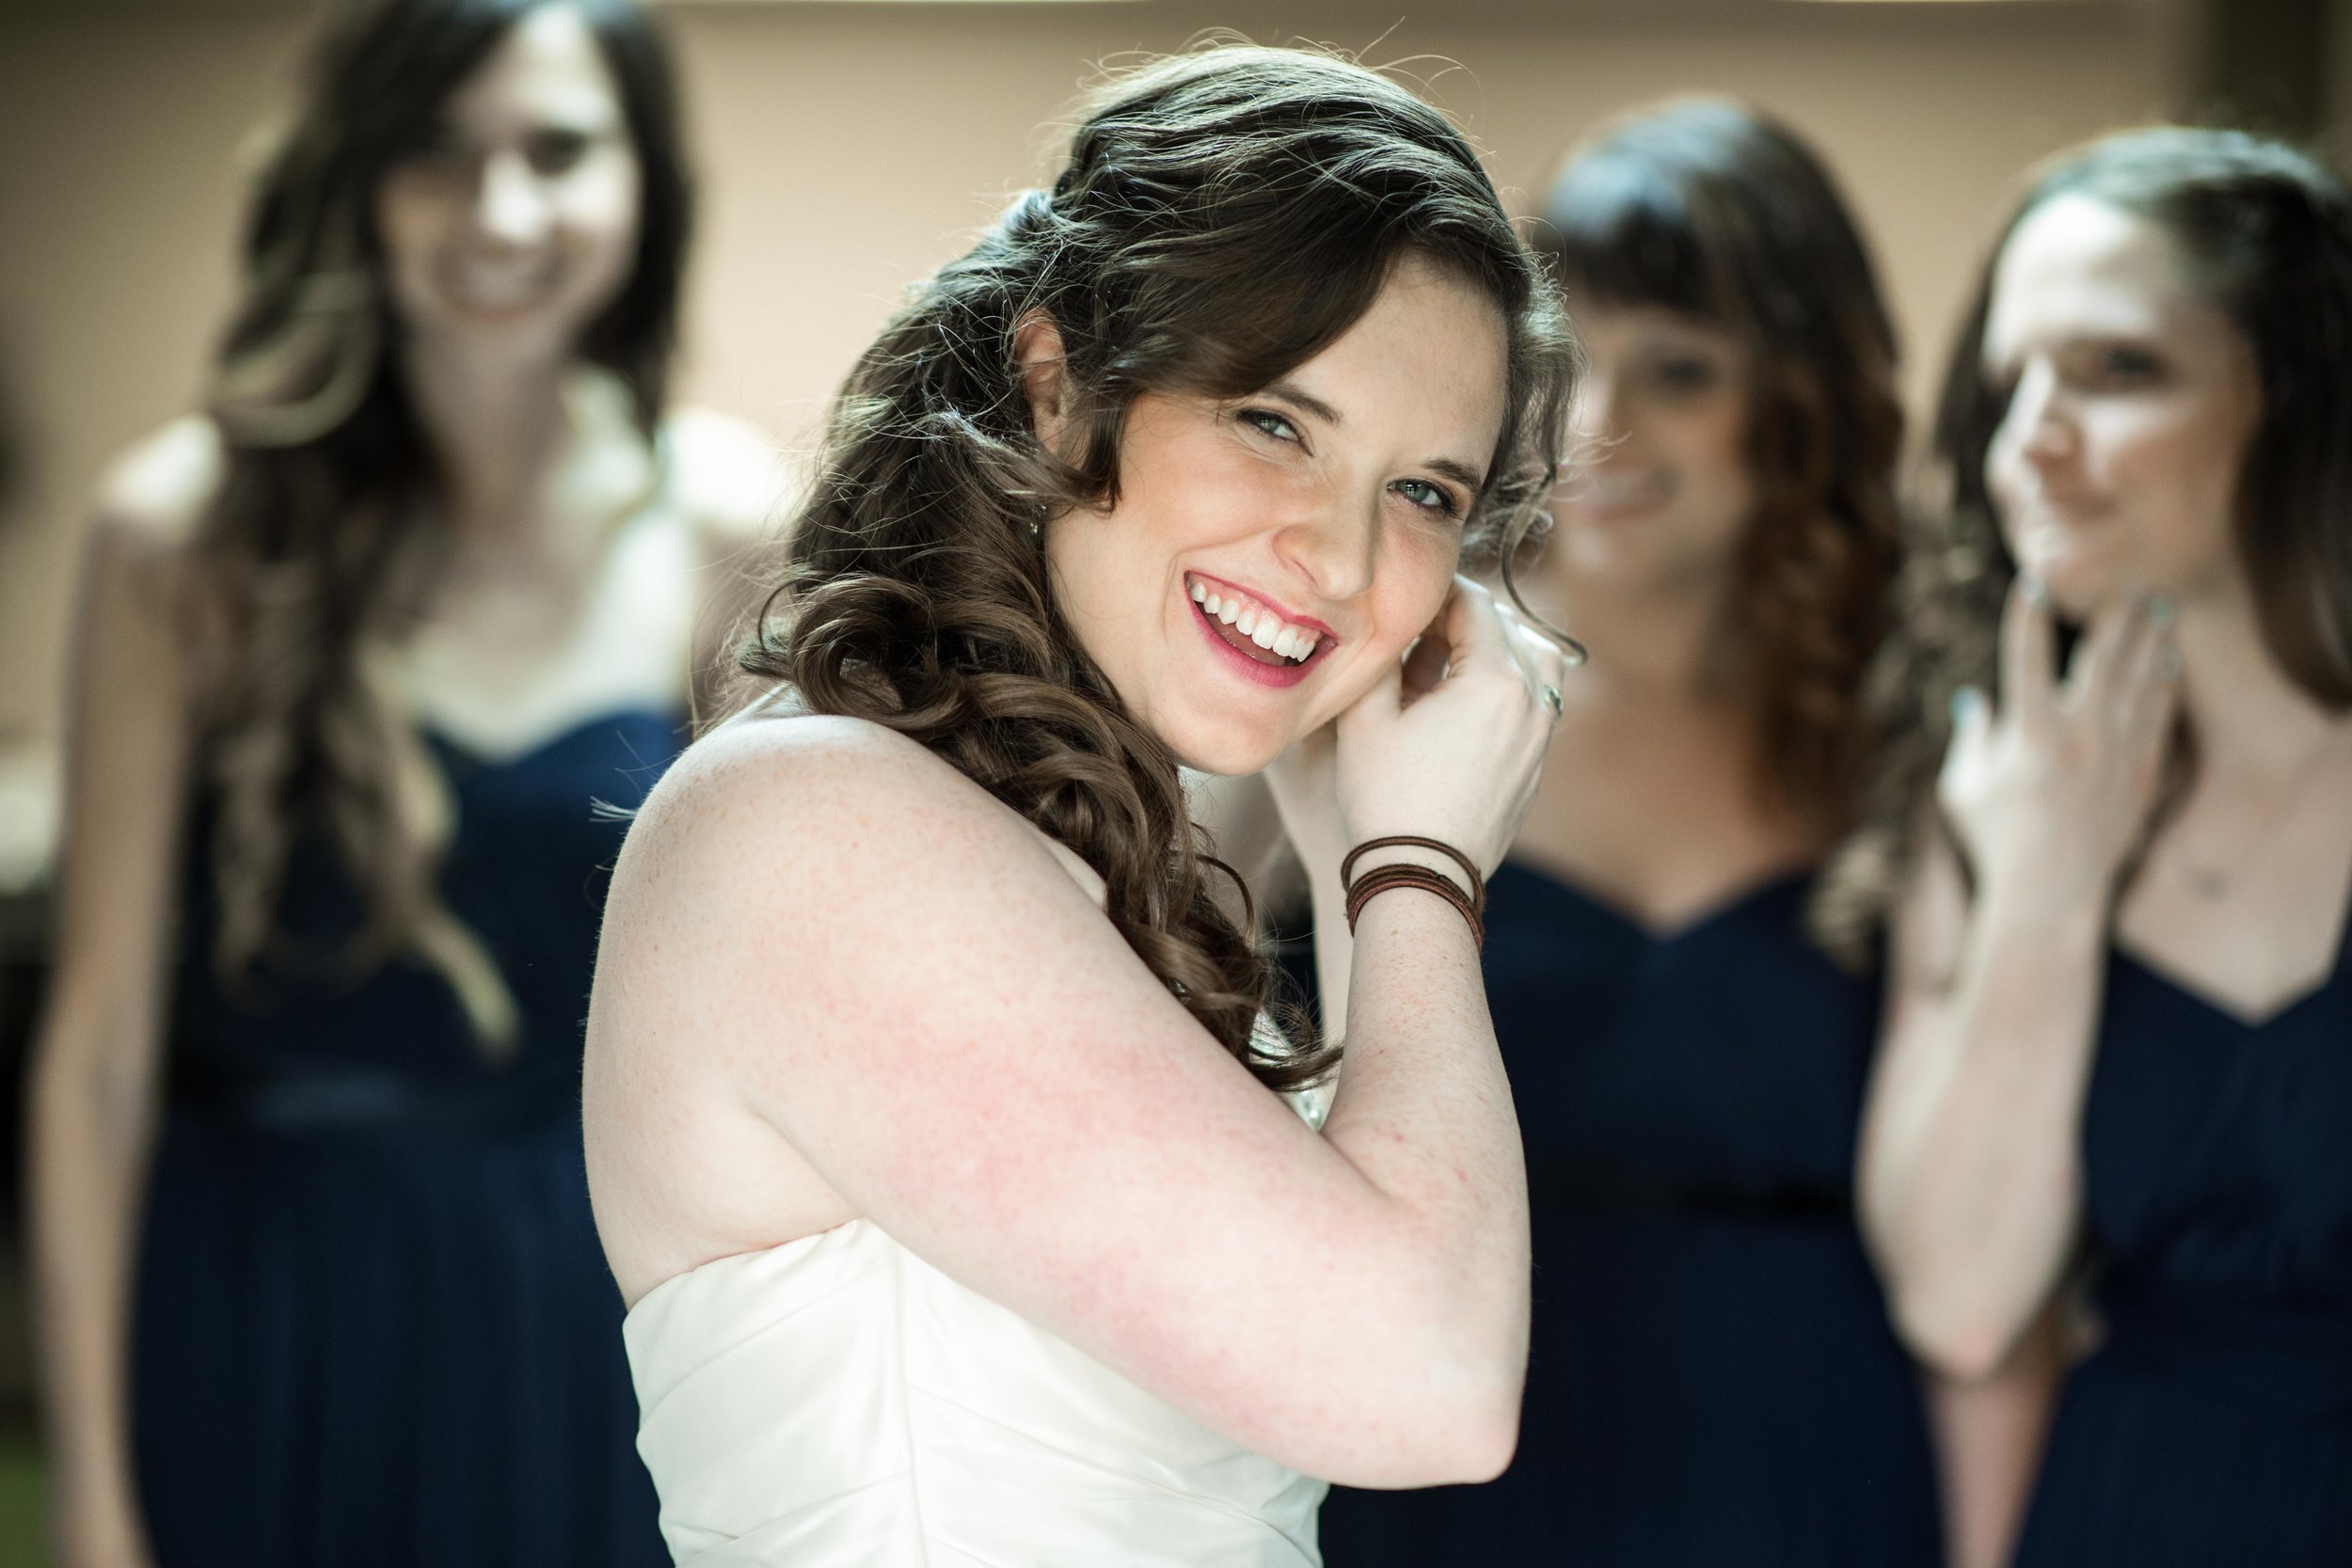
x=1409, y=841
x=1380, y=878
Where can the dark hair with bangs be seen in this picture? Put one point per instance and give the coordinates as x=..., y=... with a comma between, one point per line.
x=1715, y=211
x=2264, y=234
x=1222, y=217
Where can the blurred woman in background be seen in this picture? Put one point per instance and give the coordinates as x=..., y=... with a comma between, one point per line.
x=2121, y=1001
x=360, y=650
x=1712, y=1378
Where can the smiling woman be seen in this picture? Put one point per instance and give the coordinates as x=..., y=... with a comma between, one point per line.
x=2120, y=981
x=918, y=1023
x=361, y=646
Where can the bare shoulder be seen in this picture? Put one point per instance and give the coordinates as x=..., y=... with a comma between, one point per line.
x=775, y=817
x=731, y=478
x=153, y=494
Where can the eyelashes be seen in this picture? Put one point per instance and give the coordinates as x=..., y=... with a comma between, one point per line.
x=1423, y=494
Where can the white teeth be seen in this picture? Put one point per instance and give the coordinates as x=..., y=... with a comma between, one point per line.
x=1261, y=626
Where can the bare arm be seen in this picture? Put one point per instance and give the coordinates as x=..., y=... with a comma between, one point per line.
x=1989, y=1439
x=908, y=987
x=1970, y=1161
x=94, y=1083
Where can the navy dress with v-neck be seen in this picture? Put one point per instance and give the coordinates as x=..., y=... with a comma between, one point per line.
x=373, y=1324
x=2212, y=1425
x=1712, y=1379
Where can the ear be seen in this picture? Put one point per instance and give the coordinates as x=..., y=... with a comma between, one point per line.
x=1037, y=354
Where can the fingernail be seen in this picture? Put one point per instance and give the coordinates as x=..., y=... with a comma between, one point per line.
x=2160, y=610
x=1965, y=704
x=2168, y=662
x=2037, y=592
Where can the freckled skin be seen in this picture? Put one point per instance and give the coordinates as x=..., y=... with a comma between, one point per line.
x=1331, y=524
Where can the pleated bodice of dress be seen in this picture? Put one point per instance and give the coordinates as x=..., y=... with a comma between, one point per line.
x=2214, y=1423
x=837, y=1402
x=373, y=1326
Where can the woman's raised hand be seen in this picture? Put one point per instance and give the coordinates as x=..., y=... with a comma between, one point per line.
x=2050, y=795
x=1449, y=745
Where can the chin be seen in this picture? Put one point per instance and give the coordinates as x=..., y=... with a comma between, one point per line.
x=1211, y=748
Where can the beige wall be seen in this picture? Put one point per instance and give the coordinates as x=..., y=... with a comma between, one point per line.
x=844, y=147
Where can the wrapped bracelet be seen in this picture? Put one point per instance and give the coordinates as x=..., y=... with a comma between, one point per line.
x=1380, y=878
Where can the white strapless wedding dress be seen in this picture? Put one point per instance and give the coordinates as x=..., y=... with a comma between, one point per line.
x=837, y=1402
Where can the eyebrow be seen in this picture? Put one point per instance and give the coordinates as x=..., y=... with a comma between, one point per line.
x=1461, y=474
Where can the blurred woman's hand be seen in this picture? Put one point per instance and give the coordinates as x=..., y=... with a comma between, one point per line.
x=2050, y=795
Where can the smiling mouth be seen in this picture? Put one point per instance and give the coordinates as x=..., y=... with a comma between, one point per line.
x=1251, y=629
x=498, y=290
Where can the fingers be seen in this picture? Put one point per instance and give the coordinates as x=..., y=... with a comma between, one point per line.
x=1972, y=727
x=1472, y=625
x=2115, y=651
x=1516, y=641
x=2147, y=682
x=2029, y=676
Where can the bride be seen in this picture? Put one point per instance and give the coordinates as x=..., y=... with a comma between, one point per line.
x=934, y=1132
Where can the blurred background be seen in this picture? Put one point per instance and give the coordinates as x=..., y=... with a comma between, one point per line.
x=848, y=146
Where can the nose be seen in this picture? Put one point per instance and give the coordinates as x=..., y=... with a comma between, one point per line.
x=1332, y=544
x=2039, y=424
x=509, y=206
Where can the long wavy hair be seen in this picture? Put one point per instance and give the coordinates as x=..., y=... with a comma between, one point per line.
x=323, y=535
x=2265, y=233
x=1713, y=211
x=1223, y=217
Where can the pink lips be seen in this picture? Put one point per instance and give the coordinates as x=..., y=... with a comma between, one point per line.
x=1279, y=676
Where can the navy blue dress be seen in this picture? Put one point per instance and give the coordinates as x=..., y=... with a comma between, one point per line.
x=1712, y=1380
x=373, y=1327
x=2213, y=1425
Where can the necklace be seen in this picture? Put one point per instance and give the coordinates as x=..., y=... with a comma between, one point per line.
x=2211, y=879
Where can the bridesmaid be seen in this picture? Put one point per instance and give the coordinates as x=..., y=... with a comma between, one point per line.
x=360, y=650
x=1712, y=1378
x=2121, y=1027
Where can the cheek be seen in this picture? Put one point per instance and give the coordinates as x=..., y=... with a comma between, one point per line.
x=1414, y=576
x=412, y=216
x=1707, y=444
x=599, y=214
x=2176, y=469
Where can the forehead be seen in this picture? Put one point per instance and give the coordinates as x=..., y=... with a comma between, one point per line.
x=548, y=66
x=1430, y=354
x=2077, y=267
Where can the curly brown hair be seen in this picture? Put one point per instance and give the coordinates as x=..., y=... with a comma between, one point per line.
x=1713, y=210
x=323, y=534
x=2266, y=233
x=1223, y=217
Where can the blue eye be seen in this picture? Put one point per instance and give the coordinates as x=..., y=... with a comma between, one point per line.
x=1428, y=496
x=1267, y=423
